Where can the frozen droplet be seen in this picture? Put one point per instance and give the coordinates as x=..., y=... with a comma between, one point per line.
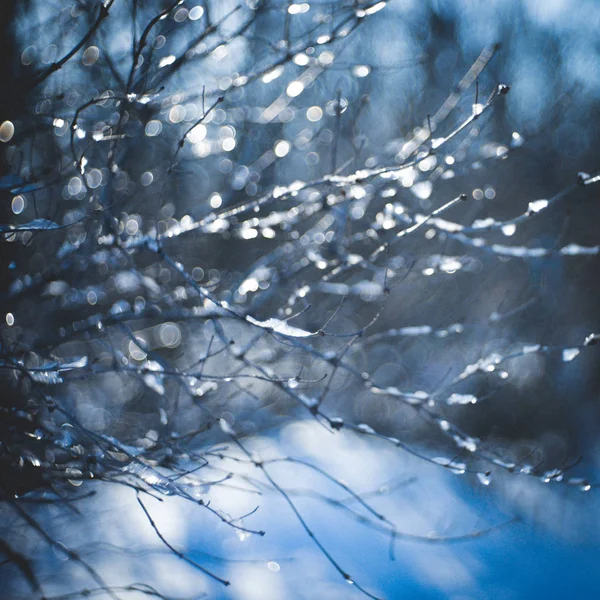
x=364, y=428
x=241, y=533
x=292, y=383
x=449, y=265
x=298, y=9
x=576, y=249
x=226, y=427
x=166, y=61
x=461, y=399
x=509, y=229
x=568, y=354
x=76, y=363
x=517, y=140
x=552, y=475
x=483, y=223
x=485, y=478
x=478, y=109
x=456, y=467
x=504, y=464
x=371, y=10
x=466, y=442
x=361, y=70
x=154, y=379
x=537, y=205
x=278, y=326
x=163, y=416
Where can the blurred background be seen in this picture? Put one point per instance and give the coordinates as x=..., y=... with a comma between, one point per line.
x=311, y=89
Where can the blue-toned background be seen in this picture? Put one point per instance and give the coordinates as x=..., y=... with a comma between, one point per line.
x=538, y=540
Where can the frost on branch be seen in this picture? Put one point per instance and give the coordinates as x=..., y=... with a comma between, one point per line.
x=201, y=247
